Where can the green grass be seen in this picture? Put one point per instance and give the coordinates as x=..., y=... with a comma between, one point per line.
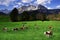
x=4, y=18
x=32, y=33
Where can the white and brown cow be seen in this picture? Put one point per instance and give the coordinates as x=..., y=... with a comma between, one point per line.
x=15, y=29
x=48, y=33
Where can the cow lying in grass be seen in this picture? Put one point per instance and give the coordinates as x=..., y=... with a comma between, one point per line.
x=5, y=29
x=15, y=29
x=48, y=33
x=23, y=27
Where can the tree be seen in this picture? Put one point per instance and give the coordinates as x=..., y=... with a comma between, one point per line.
x=14, y=15
x=44, y=16
x=25, y=16
x=32, y=15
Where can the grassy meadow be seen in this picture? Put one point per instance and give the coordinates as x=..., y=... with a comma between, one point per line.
x=4, y=18
x=32, y=33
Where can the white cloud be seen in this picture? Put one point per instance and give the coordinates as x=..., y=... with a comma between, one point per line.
x=58, y=6
x=15, y=6
x=6, y=2
x=48, y=7
x=19, y=3
x=43, y=2
x=38, y=1
x=27, y=1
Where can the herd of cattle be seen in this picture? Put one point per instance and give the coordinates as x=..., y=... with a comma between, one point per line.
x=47, y=33
x=15, y=29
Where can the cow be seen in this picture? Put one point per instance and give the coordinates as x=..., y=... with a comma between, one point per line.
x=23, y=27
x=15, y=29
x=50, y=27
x=48, y=33
x=5, y=29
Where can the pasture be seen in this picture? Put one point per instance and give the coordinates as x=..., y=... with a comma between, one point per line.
x=32, y=33
x=4, y=18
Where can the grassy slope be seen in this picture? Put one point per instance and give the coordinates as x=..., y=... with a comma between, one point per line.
x=32, y=33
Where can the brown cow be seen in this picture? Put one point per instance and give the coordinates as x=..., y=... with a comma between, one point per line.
x=23, y=27
x=5, y=29
x=50, y=27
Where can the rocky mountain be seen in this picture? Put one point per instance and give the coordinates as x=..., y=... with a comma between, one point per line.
x=40, y=8
x=27, y=8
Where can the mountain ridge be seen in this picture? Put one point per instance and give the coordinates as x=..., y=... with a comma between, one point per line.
x=40, y=8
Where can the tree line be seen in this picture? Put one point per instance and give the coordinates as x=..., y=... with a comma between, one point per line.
x=26, y=15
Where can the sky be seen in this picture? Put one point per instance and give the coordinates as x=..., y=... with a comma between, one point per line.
x=10, y=4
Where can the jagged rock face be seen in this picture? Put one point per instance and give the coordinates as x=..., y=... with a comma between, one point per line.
x=23, y=8
x=32, y=7
x=27, y=8
x=41, y=7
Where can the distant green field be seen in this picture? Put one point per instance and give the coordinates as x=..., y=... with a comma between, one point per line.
x=31, y=33
x=4, y=18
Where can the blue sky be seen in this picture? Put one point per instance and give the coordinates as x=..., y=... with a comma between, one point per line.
x=10, y=4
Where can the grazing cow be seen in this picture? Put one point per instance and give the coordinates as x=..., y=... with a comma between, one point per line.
x=5, y=29
x=23, y=27
x=50, y=27
x=48, y=33
x=15, y=29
